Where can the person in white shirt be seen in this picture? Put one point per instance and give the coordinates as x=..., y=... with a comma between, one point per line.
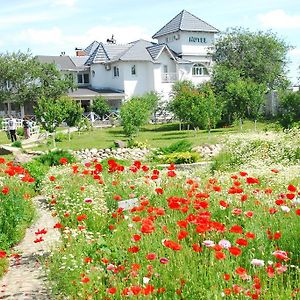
x=12, y=126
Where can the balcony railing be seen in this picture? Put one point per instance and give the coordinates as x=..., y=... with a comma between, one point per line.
x=169, y=77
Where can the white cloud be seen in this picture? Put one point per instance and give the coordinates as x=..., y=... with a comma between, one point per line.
x=54, y=38
x=279, y=19
x=9, y=20
x=38, y=36
x=295, y=52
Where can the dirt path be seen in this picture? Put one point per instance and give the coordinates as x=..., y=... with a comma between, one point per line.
x=25, y=279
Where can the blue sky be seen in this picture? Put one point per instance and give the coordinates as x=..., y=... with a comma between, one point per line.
x=48, y=27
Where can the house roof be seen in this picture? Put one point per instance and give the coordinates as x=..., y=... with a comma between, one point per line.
x=63, y=62
x=91, y=48
x=91, y=93
x=185, y=21
x=79, y=61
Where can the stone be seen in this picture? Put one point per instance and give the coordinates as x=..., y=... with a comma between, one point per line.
x=5, y=150
x=23, y=158
x=120, y=144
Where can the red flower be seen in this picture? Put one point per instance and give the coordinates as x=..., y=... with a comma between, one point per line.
x=223, y=204
x=88, y=260
x=292, y=188
x=133, y=249
x=182, y=223
x=197, y=248
x=250, y=235
x=3, y=254
x=182, y=234
x=5, y=190
x=151, y=256
x=63, y=160
x=298, y=212
x=51, y=178
x=290, y=196
x=242, y=242
x=252, y=180
x=159, y=191
x=111, y=290
x=38, y=240
x=85, y=280
x=172, y=245
x=136, y=237
x=81, y=217
x=58, y=226
x=236, y=229
x=235, y=251
x=243, y=173
x=220, y=255
x=226, y=277
x=171, y=173
x=240, y=271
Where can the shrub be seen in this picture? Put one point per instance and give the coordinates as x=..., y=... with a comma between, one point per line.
x=17, y=144
x=59, y=137
x=180, y=146
x=179, y=158
x=52, y=158
x=20, y=131
x=37, y=170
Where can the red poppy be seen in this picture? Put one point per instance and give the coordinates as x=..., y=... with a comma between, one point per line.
x=197, y=248
x=250, y=235
x=81, y=217
x=136, y=237
x=172, y=245
x=242, y=242
x=235, y=251
x=5, y=190
x=63, y=160
x=111, y=290
x=252, y=180
x=243, y=174
x=292, y=188
x=133, y=249
x=159, y=191
x=3, y=254
x=240, y=271
x=151, y=256
x=220, y=255
x=226, y=277
x=88, y=260
x=58, y=226
x=52, y=178
x=182, y=223
x=290, y=196
x=171, y=173
x=236, y=229
x=223, y=204
x=85, y=279
x=297, y=212
x=182, y=234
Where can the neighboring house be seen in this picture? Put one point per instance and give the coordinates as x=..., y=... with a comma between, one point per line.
x=118, y=72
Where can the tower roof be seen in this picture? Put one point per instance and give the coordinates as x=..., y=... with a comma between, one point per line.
x=185, y=21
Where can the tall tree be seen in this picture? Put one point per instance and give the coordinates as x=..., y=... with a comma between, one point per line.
x=261, y=56
x=23, y=78
x=100, y=106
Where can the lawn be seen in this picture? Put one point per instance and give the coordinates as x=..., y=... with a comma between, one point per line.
x=151, y=135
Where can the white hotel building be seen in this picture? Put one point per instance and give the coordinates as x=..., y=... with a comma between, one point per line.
x=118, y=72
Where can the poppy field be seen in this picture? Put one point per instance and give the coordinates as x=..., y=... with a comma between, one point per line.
x=180, y=235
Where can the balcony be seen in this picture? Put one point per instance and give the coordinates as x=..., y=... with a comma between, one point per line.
x=169, y=77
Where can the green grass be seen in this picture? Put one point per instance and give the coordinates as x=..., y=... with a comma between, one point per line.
x=152, y=135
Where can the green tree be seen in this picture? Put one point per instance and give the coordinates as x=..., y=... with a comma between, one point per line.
x=261, y=56
x=23, y=78
x=50, y=113
x=100, y=106
x=136, y=112
x=72, y=112
x=289, y=108
x=196, y=105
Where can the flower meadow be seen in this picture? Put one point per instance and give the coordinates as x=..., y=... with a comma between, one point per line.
x=16, y=209
x=182, y=235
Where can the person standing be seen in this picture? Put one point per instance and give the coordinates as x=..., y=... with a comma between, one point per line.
x=26, y=127
x=12, y=126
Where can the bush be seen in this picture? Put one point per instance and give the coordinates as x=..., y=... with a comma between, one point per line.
x=17, y=144
x=225, y=161
x=59, y=137
x=37, y=170
x=20, y=131
x=179, y=158
x=180, y=146
x=52, y=158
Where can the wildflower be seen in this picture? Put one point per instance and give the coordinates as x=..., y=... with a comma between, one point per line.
x=235, y=251
x=133, y=249
x=151, y=256
x=282, y=255
x=85, y=279
x=172, y=245
x=225, y=244
x=182, y=234
x=38, y=240
x=236, y=229
x=163, y=260
x=257, y=262
x=220, y=255
x=3, y=254
x=226, y=277
x=5, y=190
x=52, y=178
x=197, y=248
x=209, y=243
x=58, y=226
x=63, y=160
x=292, y=188
x=285, y=208
x=111, y=290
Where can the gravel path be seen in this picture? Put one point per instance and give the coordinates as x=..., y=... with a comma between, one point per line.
x=25, y=278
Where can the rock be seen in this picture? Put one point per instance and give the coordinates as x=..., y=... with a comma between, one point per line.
x=23, y=158
x=5, y=150
x=120, y=144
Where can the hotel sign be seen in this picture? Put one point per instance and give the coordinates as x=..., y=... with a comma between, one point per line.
x=194, y=39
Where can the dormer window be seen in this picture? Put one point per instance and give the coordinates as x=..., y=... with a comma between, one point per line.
x=133, y=70
x=199, y=70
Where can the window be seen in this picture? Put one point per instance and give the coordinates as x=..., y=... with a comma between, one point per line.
x=165, y=69
x=116, y=72
x=133, y=70
x=199, y=70
x=83, y=78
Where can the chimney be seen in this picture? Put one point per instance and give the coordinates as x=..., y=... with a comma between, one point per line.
x=79, y=52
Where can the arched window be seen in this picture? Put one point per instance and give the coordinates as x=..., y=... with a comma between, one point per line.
x=199, y=70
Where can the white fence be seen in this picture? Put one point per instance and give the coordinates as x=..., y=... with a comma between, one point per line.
x=34, y=128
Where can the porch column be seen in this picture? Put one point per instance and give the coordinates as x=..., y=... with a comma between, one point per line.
x=8, y=108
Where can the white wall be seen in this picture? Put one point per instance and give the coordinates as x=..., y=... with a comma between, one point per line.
x=142, y=82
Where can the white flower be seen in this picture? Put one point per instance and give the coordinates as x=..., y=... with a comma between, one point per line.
x=225, y=244
x=257, y=262
x=146, y=280
x=209, y=243
x=285, y=208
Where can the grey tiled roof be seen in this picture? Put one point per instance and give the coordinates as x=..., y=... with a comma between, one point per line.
x=187, y=22
x=91, y=47
x=62, y=62
x=79, y=61
x=154, y=50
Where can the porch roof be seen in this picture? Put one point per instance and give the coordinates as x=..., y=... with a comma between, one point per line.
x=85, y=92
